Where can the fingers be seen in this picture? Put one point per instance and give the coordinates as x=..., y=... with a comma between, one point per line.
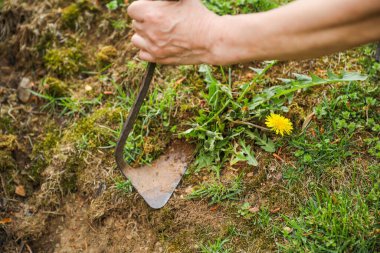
x=146, y=56
x=140, y=42
x=137, y=26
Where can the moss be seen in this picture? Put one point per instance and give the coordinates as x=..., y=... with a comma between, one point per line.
x=6, y=124
x=105, y=55
x=88, y=134
x=8, y=142
x=54, y=87
x=69, y=178
x=42, y=154
x=71, y=13
x=7, y=145
x=64, y=61
x=6, y=161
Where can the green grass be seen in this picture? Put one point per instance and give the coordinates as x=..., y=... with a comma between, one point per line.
x=350, y=111
x=218, y=192
x=155, y=122
x=215, y=247
x=335, y=222
x=341, y=214
x=124, y=185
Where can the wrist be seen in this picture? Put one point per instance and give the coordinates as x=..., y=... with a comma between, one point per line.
x=237, y=39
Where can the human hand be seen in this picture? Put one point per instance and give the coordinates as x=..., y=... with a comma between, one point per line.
x=173, y=32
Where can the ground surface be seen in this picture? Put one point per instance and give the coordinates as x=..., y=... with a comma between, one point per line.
x=247, y=189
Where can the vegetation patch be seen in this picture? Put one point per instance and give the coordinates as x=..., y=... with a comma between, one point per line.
x=64, y=61
x=74, y=11
x=341, y=222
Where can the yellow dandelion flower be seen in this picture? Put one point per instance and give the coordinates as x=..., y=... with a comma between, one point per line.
x=279, y=124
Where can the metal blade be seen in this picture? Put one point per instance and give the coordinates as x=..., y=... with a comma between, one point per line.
x=157, y=182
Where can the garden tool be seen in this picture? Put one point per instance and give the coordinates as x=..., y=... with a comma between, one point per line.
x=155, y=182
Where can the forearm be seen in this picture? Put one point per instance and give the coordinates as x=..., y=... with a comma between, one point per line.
x=302, y=29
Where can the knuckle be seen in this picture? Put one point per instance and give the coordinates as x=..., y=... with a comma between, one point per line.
x=154, y=16
x=146, y=57
x=156, y=51
x=132, y=9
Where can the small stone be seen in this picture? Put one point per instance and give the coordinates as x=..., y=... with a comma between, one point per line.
x=23, y=90
x=189, y=189
x=88, y=88
x=288, y=229
x=20, y=190
x=254, y=209
x=275, y=210
x=278, y=176
x=250, y=174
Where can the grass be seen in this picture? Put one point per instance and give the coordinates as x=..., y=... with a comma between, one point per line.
x=230, y=122
x=334, y=222
x=218, y=192
x=341, y=118
x=124, y=185
x=215, y=247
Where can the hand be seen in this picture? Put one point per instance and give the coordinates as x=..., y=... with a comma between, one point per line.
x=173, y=32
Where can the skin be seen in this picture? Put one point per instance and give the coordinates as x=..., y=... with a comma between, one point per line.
x=185, y=32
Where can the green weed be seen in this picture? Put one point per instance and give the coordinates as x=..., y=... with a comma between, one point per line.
x=223, y=125
x=216, y=247
x=114, y=4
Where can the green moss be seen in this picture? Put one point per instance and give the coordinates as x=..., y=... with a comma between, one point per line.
x=54, y=87
x=105, y=55
x=6, y=124
x=71, y=13
x=7, y=145
x=64, y=61
x=90, y=133
x=42, y=154
x=8, y=142
x=6, y=160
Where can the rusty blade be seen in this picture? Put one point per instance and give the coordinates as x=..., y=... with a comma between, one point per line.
x=157, y=182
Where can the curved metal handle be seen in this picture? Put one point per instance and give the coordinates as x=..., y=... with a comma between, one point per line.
x=128, y=125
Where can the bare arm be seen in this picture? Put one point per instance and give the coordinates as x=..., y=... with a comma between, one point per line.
x=186, y=32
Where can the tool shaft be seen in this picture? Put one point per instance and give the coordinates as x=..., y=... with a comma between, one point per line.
x=128, y=125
